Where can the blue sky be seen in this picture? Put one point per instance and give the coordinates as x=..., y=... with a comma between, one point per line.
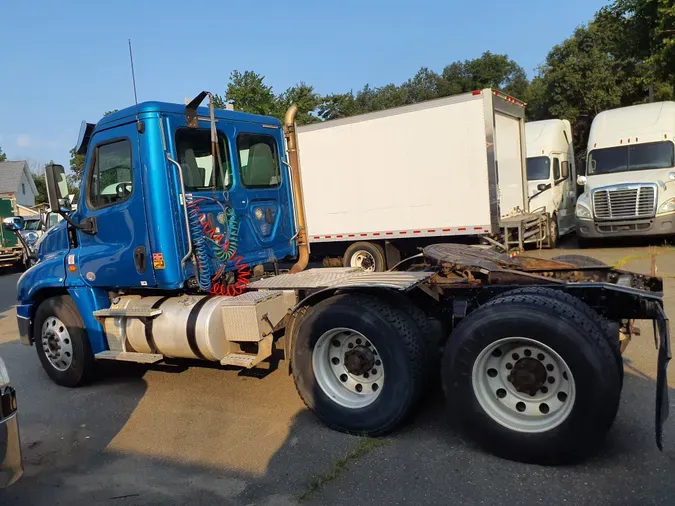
x=62, y=62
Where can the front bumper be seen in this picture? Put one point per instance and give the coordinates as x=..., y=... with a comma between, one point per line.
x=11, y=467
x=10, y=256
x=659, y=225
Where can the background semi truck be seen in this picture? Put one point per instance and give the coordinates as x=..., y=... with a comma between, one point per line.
x=551, y=173
x=170, y=265
x=630, y=174
x=403, y=178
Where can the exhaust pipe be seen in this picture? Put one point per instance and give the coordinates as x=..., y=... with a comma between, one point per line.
x=294, y=162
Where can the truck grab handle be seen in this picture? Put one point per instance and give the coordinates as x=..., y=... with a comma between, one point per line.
x=185, y=209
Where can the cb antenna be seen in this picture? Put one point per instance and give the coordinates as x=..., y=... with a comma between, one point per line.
x=139, y=125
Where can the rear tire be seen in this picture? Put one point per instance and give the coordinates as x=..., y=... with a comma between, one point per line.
x=609, y=329
x=382, y=334
x=367, y=255
x=551, y=428
x=61, y=342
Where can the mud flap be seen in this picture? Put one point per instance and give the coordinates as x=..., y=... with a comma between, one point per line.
x=661, y=329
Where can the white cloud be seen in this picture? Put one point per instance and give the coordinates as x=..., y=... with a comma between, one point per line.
x=23, y=141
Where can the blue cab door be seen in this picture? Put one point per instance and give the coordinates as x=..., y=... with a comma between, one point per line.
x=118, y=255
x=253, y=181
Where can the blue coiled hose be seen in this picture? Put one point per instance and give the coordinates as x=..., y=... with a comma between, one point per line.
x=200, y=247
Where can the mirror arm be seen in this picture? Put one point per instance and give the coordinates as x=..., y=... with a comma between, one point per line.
x=88, y=226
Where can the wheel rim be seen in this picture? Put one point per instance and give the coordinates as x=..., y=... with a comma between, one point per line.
x=57, y=344
x=363, y=259
x=523, y=385
x=348, y=368
x=553, y=229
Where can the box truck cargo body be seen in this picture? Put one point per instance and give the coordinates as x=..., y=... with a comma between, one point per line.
x=394, y=179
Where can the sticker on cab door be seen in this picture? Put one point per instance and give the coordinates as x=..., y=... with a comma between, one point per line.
x=158, y=261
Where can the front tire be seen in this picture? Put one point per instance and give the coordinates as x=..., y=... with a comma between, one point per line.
x=61, y=342
x=531, y=379
x=358, y=364
x=553, y=232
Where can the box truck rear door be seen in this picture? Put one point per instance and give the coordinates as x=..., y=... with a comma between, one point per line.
x=509, y=162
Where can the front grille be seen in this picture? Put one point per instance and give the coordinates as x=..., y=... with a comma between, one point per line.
x=624, y=202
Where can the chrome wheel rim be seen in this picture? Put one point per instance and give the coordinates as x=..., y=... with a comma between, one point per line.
x=523, y=385
x=553, y=229
x=364, y=260
x=348, y=368
x=57, y=344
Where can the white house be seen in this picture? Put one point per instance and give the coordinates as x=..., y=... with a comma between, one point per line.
x=16, y=182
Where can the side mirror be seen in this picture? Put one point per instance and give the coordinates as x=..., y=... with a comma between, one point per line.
x=57, y=188
x=13, y=223
x=541, y=187
x=581, y=180
x=565, y=170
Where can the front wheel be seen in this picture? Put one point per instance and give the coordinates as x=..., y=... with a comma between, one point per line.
x=531, y=379
x=358, y=363
x=61, y=342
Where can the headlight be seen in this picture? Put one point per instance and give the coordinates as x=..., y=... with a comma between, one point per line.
x=583, y=209
x=667, y=207
x=4, y=375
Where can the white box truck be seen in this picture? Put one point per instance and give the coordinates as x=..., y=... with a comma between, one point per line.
x=398, y=179
x=551, y=173
x=630, y=174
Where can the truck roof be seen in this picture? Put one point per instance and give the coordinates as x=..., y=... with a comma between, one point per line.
x=172, y=108
x=637, y=123
x=543, y=137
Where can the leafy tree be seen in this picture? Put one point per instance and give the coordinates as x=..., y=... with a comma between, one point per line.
x=338, y=105
x=307, y=99
x=248, y=92
x=3, y=156
x=41, y=185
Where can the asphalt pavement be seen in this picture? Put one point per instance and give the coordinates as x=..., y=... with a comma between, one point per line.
x=203, y=435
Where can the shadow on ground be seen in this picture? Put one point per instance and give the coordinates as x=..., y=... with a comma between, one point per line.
x=73, y=456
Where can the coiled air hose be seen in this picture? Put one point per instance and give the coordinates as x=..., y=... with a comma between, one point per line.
x=206, y=237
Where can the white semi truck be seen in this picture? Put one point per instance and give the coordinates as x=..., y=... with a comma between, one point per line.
x=630, y=174
x=551, y=173
x=402, y=178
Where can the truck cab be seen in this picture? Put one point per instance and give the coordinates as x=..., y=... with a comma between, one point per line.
x=630, y=174
x=551, y=172
x=142, y=165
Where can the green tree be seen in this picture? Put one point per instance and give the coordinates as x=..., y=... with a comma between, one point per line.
x=307, y=99
x=3, y=156
x=41, y=185
x=248, y=92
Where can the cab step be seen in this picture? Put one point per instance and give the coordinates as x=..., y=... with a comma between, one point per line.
x=128, y=356
x=249, y=360
x=129, y=313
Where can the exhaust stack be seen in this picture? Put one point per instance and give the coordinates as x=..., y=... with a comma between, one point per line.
x=294, y=162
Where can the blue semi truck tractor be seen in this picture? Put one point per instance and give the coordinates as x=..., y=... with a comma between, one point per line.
x=184, y=217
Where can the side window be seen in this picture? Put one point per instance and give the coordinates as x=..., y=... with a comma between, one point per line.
x=195, y=156
x=258, y=161
x=556, y=169
x=110, y=181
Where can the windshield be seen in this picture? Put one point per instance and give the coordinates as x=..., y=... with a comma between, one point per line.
x=538, y=167
x=31, y=225
x=652, y=155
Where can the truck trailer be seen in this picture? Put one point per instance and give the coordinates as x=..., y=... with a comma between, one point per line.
x=180, y=209
x=407, y=177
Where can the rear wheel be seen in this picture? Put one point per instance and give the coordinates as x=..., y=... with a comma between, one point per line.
x=366, y=255
x=609, y=329
x=61, y=342
x=531, y=379
x=358, y=363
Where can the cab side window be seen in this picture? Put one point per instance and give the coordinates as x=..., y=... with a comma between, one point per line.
x=110, y=181
x=556, y=169
x=258, y=161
